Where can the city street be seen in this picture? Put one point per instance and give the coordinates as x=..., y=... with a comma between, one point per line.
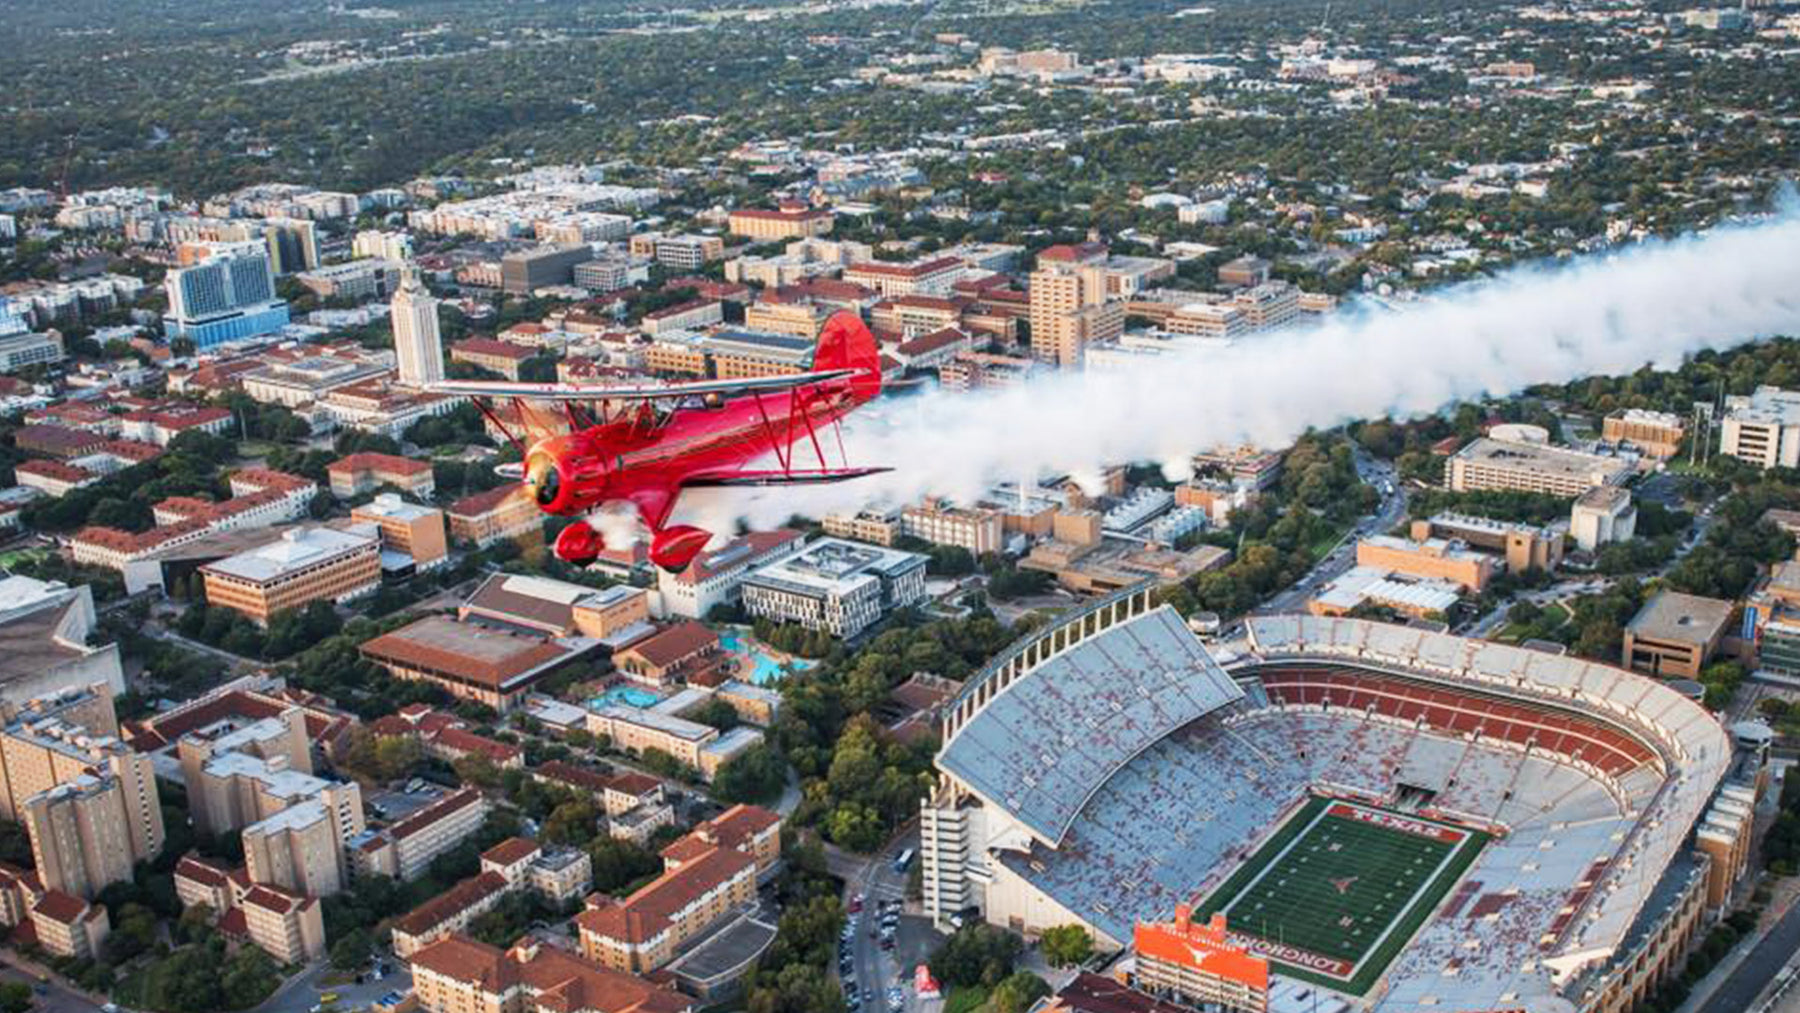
x=1342, y=557
x=877, y=970
x=54, y=997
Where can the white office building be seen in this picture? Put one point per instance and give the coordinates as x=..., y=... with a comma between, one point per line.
x=1764, y=428
x=836, y=586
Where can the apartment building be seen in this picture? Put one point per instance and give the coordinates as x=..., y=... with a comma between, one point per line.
x=936, y=521
x=1530, y=467
x=367, y=472
x=301, y=848
x=1763, y=429
x=237, y=773
x=289, y=926
x=764, y=225
x=645, y=930
x=58, y=738
x=459, y=975
x=87, y=833
x=635, y=804
x=362, y=280
x=505, y=511
x=559, y=874
x=69, y=926
x=1070, y=309
x=634, y=730
x=404, y=851
x=1655, y=434
x=303, y=565
x=448, y=913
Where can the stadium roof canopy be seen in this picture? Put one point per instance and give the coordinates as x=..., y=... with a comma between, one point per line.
x=1054, y=734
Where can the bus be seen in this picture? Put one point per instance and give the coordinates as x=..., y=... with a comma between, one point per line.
x=904, y=860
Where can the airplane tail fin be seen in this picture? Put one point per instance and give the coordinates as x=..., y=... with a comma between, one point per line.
x=846, y=343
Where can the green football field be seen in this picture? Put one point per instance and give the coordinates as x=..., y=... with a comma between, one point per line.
x=1334, y=895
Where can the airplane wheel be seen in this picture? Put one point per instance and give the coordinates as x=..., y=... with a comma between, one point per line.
x=579, y=544
x=674, y=548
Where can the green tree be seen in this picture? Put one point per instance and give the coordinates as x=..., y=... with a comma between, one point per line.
x=352, y=949
x=1066, y=945
x=1018, y=992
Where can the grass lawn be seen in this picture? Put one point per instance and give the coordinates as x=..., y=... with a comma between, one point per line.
x=14, y=558
x=966, y=999
x=1513, y=633
x=254, y=448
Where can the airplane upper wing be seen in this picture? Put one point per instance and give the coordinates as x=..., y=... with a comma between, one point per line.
x=602, y=392
x=793, y=476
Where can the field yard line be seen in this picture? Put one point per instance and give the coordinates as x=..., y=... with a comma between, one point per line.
x=1418, y=895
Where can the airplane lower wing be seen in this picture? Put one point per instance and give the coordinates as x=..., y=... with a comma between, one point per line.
x=796, y=476
x=604, y=392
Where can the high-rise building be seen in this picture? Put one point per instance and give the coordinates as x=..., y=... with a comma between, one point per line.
x=85, y=835
x=293, y=244
x=418, y=345
x=62, y=739
x=1069, y=309
x=228, y=294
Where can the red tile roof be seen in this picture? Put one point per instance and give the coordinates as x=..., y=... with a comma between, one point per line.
x=201, y=871
x=488, y=347
x=450, y=903
x=54, y=470
x=61, y=908
x=675, y=644
x=556, y=980
x=464, y=741
x=273, y=898
x=485, y=502
x=654, y=906
x=511, y=851
x=917, y=269
x=764, y=214
x=391, y=464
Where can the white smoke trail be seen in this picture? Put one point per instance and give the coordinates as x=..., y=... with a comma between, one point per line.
x=1654, y=303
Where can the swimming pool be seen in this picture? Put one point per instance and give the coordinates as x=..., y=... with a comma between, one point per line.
x=628, y=696
x=763, y=666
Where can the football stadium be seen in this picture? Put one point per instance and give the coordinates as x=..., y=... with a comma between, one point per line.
x=1393, y=818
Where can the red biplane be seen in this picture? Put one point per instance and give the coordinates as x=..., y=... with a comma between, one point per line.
x=599, y=444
